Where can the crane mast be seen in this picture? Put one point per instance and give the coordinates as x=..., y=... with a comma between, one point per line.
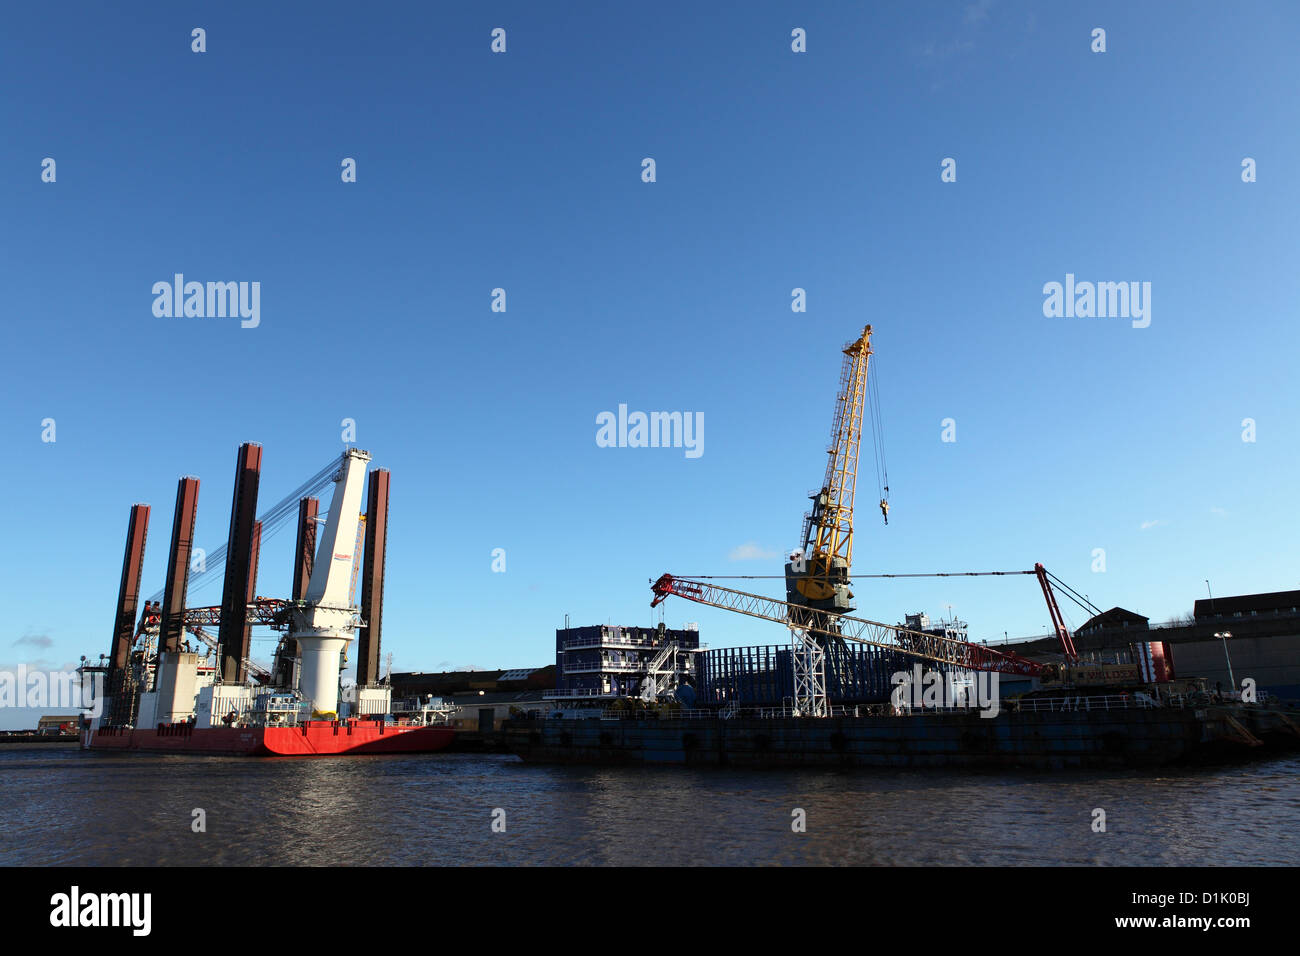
x=817, y=576
x=323, y=622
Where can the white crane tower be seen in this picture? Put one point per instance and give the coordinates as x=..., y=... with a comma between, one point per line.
x=324, y=621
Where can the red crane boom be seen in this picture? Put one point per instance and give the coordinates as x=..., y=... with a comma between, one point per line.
x=1058, y=622
x=891, y=637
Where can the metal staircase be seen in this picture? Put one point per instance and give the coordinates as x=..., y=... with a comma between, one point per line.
x=661, y=672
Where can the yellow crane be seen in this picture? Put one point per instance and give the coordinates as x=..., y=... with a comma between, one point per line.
x=817, y=577
x=818, y=574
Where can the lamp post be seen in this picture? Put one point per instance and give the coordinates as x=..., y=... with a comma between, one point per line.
x=1223, y=636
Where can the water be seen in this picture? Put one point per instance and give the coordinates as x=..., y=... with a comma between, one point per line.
x=63, y=806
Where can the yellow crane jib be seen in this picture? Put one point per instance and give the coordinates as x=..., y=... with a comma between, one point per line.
x=818, y=576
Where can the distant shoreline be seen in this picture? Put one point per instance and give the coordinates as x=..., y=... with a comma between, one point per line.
x=38, y=739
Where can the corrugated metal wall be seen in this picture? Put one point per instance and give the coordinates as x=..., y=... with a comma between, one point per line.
x=763, y=675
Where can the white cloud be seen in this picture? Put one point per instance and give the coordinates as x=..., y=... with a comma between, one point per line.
x=978, y=11
x=44, y=642
x=751, y=551
x=1149, y=524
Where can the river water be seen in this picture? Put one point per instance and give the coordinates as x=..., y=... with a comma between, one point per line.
x=64, y=806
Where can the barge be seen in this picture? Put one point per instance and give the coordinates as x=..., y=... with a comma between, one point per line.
x=1083, y=733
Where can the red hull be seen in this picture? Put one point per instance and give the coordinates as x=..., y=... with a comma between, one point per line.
x=314, y=738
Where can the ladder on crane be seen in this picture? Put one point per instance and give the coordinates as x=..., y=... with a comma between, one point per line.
x=356, y=562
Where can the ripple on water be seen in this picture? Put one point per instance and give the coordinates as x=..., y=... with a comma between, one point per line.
x=68, y=807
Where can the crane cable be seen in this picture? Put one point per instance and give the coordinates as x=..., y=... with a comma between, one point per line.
x=852, y=577
x=877, y=432
x=1075, y=596
x=273, y=519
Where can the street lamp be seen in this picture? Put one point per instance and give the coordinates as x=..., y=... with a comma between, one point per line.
x=1223, y=636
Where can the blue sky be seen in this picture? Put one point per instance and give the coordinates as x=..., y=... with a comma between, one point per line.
x=775, y=170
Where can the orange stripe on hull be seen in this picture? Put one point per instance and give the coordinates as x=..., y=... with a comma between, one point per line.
x=317, y=738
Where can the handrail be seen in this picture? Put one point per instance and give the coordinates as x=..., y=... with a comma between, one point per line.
x=732, y=710
x=630, y=667
x=1081, y=702
x=579, y=643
